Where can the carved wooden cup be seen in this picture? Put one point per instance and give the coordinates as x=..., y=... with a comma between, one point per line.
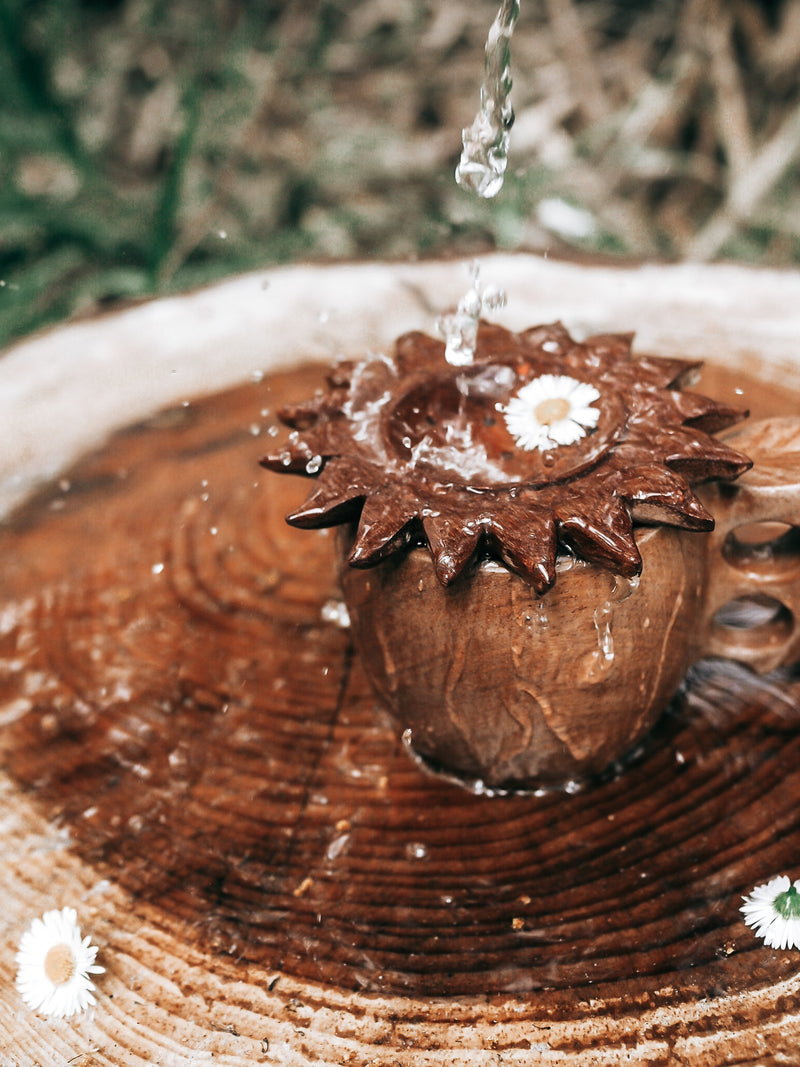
x=530, y=563
x=494, y=684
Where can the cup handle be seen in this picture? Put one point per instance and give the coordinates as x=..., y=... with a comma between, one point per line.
x=752, y=602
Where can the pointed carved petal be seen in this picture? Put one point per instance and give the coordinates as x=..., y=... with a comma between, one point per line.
x=495, y=342
x=699, y=457
x=675, y=408
x=527, y=543
x=554, y=334
x=603, y=536
x=452, y=542
x=416, y=351
x=381, y=528
x=657, y=495
x=293, y=459
x=341, y=490
x=304, y=414
x=617, y=345
x=667, y=373
x=705, y=414
x=326, y=506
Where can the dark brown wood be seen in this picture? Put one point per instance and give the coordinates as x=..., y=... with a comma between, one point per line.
x=186, y=710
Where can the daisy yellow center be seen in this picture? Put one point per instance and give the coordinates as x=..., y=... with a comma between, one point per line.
x=59, y=964
x=787, y=904
x=554, y=409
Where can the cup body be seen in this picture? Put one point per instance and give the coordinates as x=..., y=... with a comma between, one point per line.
x=489, y=682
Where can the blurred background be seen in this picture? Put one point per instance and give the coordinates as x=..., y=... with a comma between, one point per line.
x=148, y=146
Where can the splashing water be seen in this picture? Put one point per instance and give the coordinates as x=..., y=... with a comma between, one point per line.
x=460, y=329
x=484, y=156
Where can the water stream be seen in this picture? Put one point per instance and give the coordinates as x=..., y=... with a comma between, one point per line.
x=484, y=155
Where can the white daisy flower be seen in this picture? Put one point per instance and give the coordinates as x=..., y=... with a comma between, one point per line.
x=773, y=910
x=55, y=964
x=552, y=410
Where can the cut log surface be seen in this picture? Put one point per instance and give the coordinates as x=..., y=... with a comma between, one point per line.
x=192, y=756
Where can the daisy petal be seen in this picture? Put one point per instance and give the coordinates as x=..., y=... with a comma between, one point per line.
x=773, y=911
x=565, y=432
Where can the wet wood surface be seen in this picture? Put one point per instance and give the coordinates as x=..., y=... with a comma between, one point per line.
x=194, y=759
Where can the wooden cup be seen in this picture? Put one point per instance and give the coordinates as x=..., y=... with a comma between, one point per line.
x=504, y=689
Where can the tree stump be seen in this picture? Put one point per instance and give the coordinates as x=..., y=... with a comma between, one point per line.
x=192, y=756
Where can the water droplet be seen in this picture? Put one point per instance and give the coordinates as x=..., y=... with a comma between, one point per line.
x=602, y=624
x=494, y=299
x=565, y=560
x=542, y=621
x=337, y=846
x=314, y=465
x=157, y=568
x=484, y=155
x=471, y=304
x=415, y=850
x=335, y=611
x=602, y=659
